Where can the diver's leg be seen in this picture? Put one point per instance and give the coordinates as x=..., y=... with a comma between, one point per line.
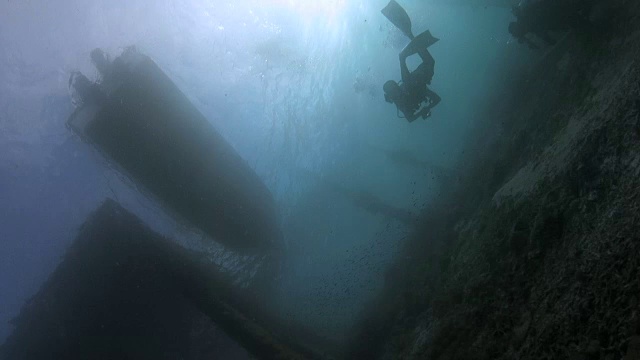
x=408, y=50
x=423, y=73
x=419, y=45
x=404, y=71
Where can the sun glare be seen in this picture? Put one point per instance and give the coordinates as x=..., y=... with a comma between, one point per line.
x=327, y=11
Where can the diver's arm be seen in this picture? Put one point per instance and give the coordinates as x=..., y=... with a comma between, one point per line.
x=425, y=113
x=434, y=99
x=411, y=117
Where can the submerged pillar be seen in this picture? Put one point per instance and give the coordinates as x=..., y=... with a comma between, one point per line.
x=123, y=291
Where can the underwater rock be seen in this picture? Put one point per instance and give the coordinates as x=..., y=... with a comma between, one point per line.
x=633, y=349
x=546, y=266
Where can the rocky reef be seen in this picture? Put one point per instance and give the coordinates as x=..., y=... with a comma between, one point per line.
x=534, y=253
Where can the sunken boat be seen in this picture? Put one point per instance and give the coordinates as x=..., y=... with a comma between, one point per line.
x=141, y=122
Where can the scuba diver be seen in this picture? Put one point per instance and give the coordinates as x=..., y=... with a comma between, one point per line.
x=411, y=96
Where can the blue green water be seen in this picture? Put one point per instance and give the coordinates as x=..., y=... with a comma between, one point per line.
x=295, y=86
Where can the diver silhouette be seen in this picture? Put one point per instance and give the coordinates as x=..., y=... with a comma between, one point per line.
x=411, y=96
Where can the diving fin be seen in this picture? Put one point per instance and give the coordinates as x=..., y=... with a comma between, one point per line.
x=424, y=40
x=399, y=17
